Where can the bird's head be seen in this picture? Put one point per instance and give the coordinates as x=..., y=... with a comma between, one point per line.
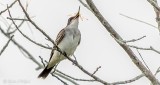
x=74, y=20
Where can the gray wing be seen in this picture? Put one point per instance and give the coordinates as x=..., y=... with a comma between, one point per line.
x=79, y=39
x=59, y=38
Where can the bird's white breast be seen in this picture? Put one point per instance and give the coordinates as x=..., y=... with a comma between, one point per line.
x=70, y=41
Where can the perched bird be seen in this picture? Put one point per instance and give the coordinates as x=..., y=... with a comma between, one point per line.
x=67, y=40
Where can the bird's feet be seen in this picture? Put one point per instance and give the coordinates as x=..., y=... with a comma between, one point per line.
x=75, y=62
x=65, y=54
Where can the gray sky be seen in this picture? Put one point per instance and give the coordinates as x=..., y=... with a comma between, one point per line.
x=97, y=47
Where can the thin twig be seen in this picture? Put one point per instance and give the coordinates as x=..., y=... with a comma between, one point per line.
x=158, y=70
x=74, y=78
x=5, y=22
x=23, y=53
x=75, y=59
x=17, y=19
x=138, y=20
x=129, y=81
x=38, y=44
x=59, y=79
x=33, y=23
x=142, y=48
x=22, y=48
x=8, y=7
x=85, y=5
x=42, y=60
x=63, y=74
x=143, y=59
x=133, y=40
x=6, y=45
x=96, y=70
x=57, y=72
x=38, y=28
x=132, y=46
x=85, y=71
x=9, y=33
x=153, y=49
x=66, y=78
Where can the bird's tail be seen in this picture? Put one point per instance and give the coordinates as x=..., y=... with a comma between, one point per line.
x=45, y=72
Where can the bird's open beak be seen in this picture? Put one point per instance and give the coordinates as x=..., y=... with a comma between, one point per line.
x=78, y=13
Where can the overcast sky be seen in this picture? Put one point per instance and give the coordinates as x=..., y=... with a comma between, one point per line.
x=97, y=47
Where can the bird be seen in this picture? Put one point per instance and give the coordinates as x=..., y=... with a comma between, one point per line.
x=67, y=41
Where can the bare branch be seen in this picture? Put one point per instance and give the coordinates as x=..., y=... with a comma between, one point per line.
x=85, y=5
x=158, y=70
x=8, y=7
x=11, y=32
x=37, y=27
x=132, y=46
x=57, y=72
x=42, y=61
x=133, y=40
x=22, y=48
x=6, y=45
x=131, y=54
x=154, y=4
x=96, y=70
x=85, y=71
x=33, y=23
x=138, y=20
x=17, y=19
x=65, y=77
x=38, y=44
x=157, y=11
x=59, y=79
x=143, y=60
x=153, y=49
x=142, y=48
x=130, y=80
x=74, y=78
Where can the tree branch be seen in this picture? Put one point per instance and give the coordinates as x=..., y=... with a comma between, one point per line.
x=8, y=7
x=85, y=5
x=33, y=23
x=142, y=48
x=131, y=54
x=17, y=19
x=130, y=80
x=157, y=11
x=154, y=4
x=6, y=45
x=59, y=79
x=133, y=40
x=38, y=44
x=91, y=80
x=138, y=20
x=22, y=48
